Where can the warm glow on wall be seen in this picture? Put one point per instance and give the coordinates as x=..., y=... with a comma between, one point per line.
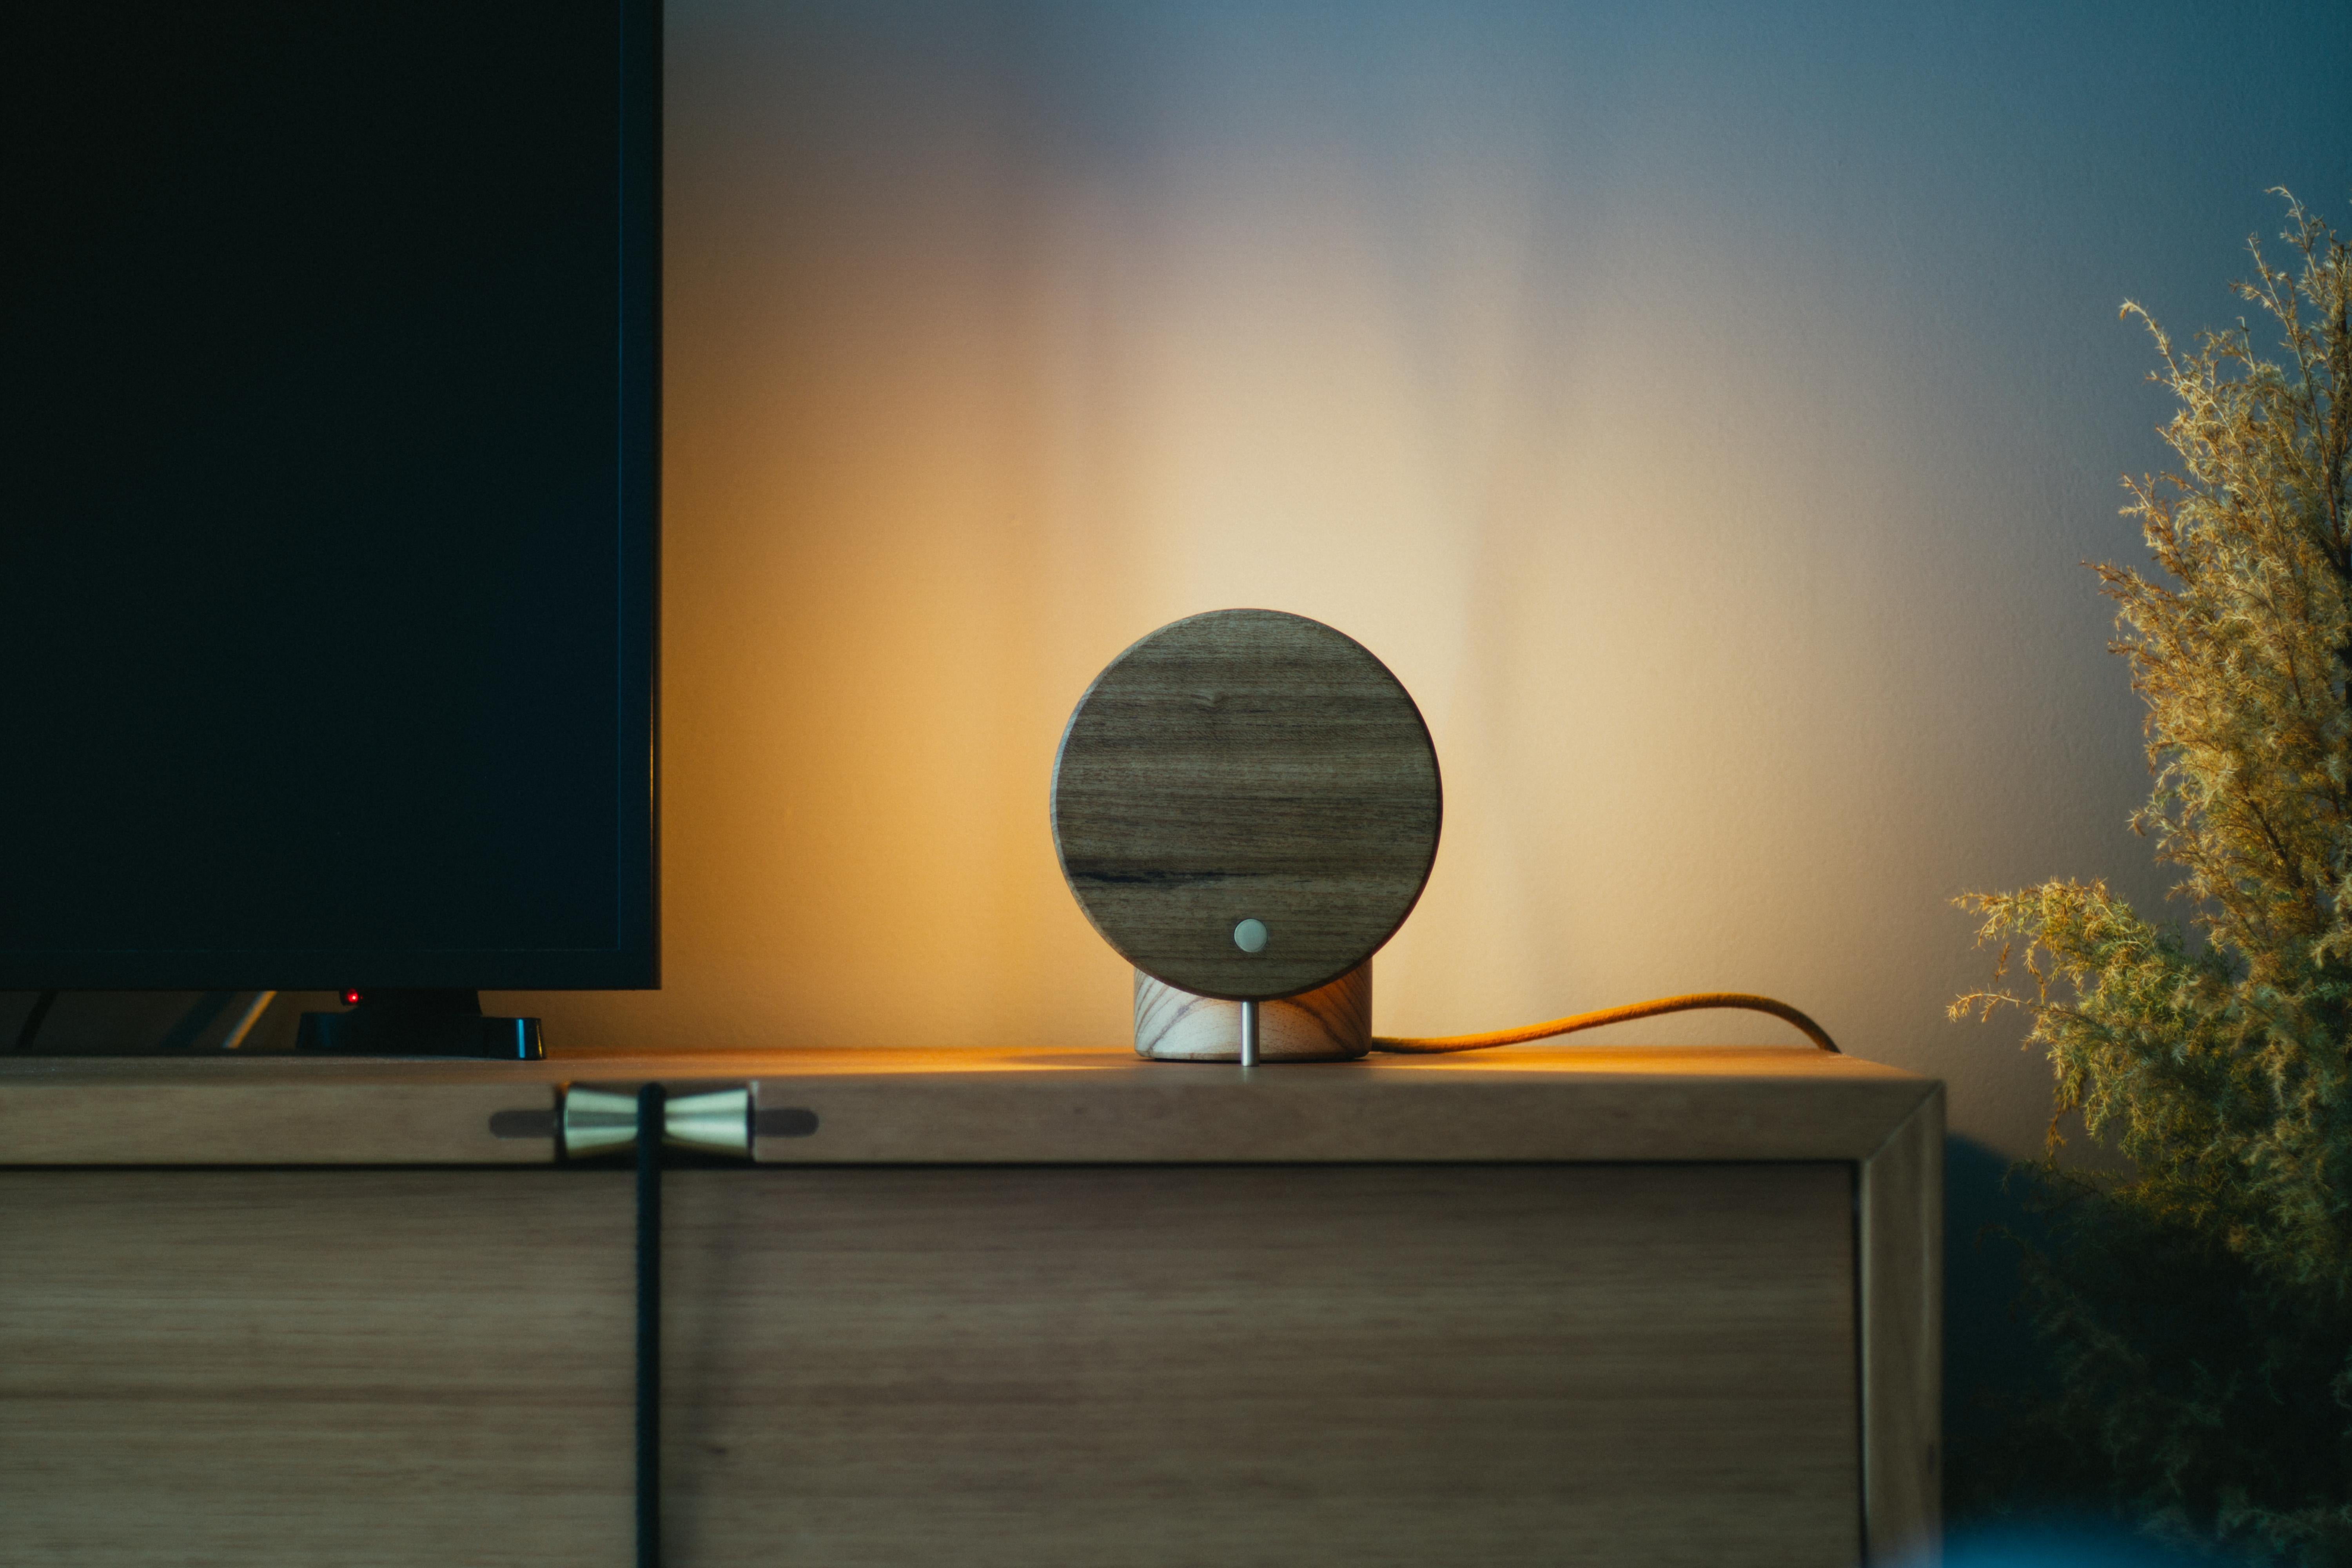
x=1697, y=419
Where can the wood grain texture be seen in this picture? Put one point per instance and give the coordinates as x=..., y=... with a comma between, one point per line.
x=1495, y=1364
x=218, y=1111
x=1246, y=764
x=1527, y=1102
x=1902, y=1237
x=1330, y=1023
x=1545, y=1105
x=350, y=1367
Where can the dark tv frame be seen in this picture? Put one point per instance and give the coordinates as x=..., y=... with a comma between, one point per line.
x=636, y=960
x=633, y=962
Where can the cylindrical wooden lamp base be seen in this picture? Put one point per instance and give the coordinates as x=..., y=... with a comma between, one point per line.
x=1331, y=1023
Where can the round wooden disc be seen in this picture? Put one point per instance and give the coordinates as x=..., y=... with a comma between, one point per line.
x=1246, y=765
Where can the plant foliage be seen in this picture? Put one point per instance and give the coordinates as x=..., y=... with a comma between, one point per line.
x=2198, y=1312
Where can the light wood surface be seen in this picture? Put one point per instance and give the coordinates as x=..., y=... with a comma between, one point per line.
x=1530, y=1103
x=1330, y=1023
x=238, y=1291
x=1902, y=1243
x=1246, y=764
x=211, y=1112
x=240, y=1368
x=1772, y=1105
x=1491, y=1364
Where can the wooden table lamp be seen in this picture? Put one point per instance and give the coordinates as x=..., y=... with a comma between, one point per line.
x=1246, y=805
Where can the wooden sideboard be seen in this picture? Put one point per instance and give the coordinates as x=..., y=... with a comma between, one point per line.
x=1538, y=1305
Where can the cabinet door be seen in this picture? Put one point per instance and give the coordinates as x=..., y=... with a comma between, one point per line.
x=316, y=1367
x=975, y=1365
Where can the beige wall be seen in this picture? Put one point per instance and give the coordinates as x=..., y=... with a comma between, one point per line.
x=1704, y=412
x=1705, y=421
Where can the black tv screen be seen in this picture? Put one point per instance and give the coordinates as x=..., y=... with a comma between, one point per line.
x=329, y=340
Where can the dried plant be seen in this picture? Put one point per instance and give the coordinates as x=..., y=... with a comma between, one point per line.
x=2198, y=1312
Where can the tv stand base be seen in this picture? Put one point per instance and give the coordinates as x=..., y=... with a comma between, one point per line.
x=420, y=1024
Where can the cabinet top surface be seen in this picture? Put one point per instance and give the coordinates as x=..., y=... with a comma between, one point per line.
x=932, y=1106
x=1107, y=1071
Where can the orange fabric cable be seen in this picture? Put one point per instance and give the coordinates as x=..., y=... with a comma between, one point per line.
x=1697, y=1001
